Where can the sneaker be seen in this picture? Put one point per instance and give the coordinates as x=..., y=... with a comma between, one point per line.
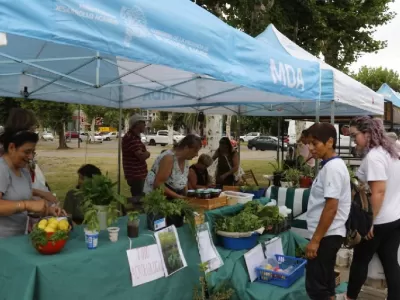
x=341, y=296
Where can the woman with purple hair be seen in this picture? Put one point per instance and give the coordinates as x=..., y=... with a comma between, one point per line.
x=379, y=169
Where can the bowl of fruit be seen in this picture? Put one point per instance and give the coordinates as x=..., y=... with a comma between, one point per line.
x=49, y=235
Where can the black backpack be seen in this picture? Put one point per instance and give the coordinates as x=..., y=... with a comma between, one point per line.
x=360, y=218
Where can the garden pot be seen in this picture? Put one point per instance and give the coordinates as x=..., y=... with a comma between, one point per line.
x=113, y=233
x=102, y=215
x=155, y=222
x=286, y=184
x=91, y=239
x=278, y=176
x=133, y=229
x=305, y=182
x=176, y=220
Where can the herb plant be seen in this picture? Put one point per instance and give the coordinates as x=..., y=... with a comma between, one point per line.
x=133, y=216
x=242, y=222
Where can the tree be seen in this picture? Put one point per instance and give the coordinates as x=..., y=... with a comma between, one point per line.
x=375, y=77
x=52, y=114
x=92, y=112
x=339, y=29
x=6, y=104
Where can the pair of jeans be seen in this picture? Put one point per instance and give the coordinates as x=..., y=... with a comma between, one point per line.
x=320, y=274
x=385, y=243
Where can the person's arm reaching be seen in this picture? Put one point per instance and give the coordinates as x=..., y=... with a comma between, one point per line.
x=192, y=180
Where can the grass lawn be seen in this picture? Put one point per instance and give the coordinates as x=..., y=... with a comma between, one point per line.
x=61, y=173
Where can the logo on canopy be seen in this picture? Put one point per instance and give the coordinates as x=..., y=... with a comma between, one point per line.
x=135, y=23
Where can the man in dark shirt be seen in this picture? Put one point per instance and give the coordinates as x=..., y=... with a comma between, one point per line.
x=134, y=156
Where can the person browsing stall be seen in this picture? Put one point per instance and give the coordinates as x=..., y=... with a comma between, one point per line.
x=134, y=155
x=73, y=200
x=198, y=174
x=327, y=212
x=16, y=191
x=171, y=168
x=303, y=149
x=228, y=162
x=379, y=169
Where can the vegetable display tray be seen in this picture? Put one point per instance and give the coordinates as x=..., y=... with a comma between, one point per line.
x=208, y=204
x=242, y=243
x=292, y=269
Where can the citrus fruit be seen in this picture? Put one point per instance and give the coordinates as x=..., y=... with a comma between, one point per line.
x=49, y=229
x=52, y=220
x=63, y=225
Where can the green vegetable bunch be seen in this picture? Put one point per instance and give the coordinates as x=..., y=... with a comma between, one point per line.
x=242, y=222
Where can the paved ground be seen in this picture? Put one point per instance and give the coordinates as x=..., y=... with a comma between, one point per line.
x=109, y=149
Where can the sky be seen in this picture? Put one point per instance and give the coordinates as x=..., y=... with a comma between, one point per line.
x=388, y=57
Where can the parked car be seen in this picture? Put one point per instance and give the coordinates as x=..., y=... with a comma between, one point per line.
x=47, y=136
x=249, y=136
x=72, y=135
x=108, y=136
x=143, y=138
x=95, y=138
x=161, y=138
x=264, y=143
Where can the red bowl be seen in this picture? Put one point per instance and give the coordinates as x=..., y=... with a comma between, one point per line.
x=51, y=247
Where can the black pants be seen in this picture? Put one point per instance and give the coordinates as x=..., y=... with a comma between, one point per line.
x=386, y=244
x=136, y=186
x=320, y=274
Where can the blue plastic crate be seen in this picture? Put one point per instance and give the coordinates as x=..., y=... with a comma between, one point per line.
x=282, y=279
x=257, y=194
x=240, y=243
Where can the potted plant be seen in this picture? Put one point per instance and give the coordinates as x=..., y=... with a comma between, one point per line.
x=155, y=206
x=91, y=220
x=99, y=193
x=278, y=172
x=307, y=176
x=133, y=224
x=177, y=211
x=292, y=178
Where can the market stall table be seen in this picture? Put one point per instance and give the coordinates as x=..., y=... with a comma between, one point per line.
x=79, y=273
x=234, y=270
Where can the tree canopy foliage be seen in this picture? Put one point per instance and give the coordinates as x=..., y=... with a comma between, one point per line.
x=375, y=77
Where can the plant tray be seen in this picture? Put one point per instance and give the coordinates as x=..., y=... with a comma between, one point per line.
x=208, y=204
x=293, y=269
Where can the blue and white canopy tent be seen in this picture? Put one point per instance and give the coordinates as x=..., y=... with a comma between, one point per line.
x=341, y=95
x=140, y=53
x=392, y=106
x=174, y=52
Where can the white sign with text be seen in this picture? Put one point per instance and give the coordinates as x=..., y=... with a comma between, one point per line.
x=145, y=264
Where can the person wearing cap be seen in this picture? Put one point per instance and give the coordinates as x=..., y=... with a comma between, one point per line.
x=393, y=136
x=134, y=156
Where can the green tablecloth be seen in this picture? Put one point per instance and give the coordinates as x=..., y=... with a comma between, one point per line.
x=234, y=271
x=79, y=273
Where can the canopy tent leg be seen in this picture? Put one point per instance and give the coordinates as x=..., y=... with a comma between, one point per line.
x=119, y=139
x=238, y=131
x=279, y=133
x=79, y=125
x=282, y=140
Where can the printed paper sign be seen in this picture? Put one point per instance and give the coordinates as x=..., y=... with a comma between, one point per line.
x=145, y=264
x=170, y=249
x=254, y=259
x=207, y=250
x=273, y=247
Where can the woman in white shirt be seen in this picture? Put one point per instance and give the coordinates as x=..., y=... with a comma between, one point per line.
x=327, y=212
x=379, y=169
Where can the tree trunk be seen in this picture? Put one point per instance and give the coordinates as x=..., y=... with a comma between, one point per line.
x=213, y=132
x=170, y=130
x=126, y=123
x=93, y=125
x=228, y=125
x=62, y=143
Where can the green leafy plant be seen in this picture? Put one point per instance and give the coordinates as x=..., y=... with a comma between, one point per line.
x=242, y=222
x=156, y=203
x=201, y=292
x=91, y=220
x=133, y=216
x=249, y=188
x=277, y=166
x=39, y=236
x=100, y=190
x=293, y=175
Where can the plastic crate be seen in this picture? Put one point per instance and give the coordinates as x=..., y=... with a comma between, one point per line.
x=282, y=279
x=237, y=197
x=240, y=243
